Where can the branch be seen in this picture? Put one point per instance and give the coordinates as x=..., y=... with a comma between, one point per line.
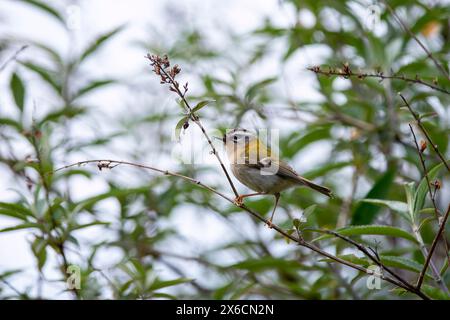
x=110, y=164
x=408, y=30
x=168, y=77
x=346, y=72
x=13, y=57
x=420, y=151
x=375, y=259
x=433, y=247
x=425, y=132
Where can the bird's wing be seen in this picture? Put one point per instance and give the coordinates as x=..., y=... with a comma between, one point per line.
x=286, y=171
x=283, y=169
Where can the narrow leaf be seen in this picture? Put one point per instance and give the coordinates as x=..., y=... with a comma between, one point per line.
x=18, y=91
x=365, y=213
x=201, y=104
x=178, y=127
x=98, y=42
x=371, y=230
x=46, y=8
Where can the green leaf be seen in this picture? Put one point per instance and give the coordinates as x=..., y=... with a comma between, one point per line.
x=47, y=9
x=397, y=206
x=309, y=210
x=410, y=191
x=365, y=213
x=201, y=104
x=371, y=230
x=253, y=89
x=18, y=91
x=362, y=261
x=178, y=127
x=15, y=209
x=393, y=205
x=87, y=225
x=46, y=75
x=27, y=225
x=99, y=42
x=327, y=167
x=12, y=123
x=265, y=263
x=435, y=293
x=157, y=284
x=422, y=190
x=39, y=248
x=401, y=263
x=93, y=85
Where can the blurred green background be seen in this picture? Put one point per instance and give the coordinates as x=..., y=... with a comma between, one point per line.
x=82, y=89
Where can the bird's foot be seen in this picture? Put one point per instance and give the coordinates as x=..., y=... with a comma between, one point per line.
x=269, y=224
x=239, y=200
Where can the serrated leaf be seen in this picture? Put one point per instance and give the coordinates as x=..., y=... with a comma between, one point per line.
x=18, y=91
x=401, y=263
x=201, y=104
x=99, y=42
x=371, y=230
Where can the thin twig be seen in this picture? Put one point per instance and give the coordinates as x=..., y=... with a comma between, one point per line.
x=425, y=173
x=425, y=132
x=13, y=57
x=346, y=72
x=169, y=78
x=433, y=247
x=424, y=48
x=109, y=164
x=432, y=194
x=374, y=258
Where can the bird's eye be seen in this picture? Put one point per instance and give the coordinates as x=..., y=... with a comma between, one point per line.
x=235, y=139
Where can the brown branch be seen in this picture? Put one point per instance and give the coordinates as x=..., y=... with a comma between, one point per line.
x=428, y=255
x=109, y=164
x=13, y=57
x=424, y=48
x=160, y=65
x=425, y=173
x=375, y=259
x=346, y=72
x=433, y=247
x=425, y=132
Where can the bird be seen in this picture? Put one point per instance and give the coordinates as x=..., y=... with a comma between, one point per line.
x=256, y=166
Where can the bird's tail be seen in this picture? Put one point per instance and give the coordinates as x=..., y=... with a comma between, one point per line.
x=312, y=185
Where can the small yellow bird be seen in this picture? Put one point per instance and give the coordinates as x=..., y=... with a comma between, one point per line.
x=257, y=167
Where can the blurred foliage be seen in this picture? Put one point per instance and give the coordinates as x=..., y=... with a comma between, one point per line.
x=138, y=251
